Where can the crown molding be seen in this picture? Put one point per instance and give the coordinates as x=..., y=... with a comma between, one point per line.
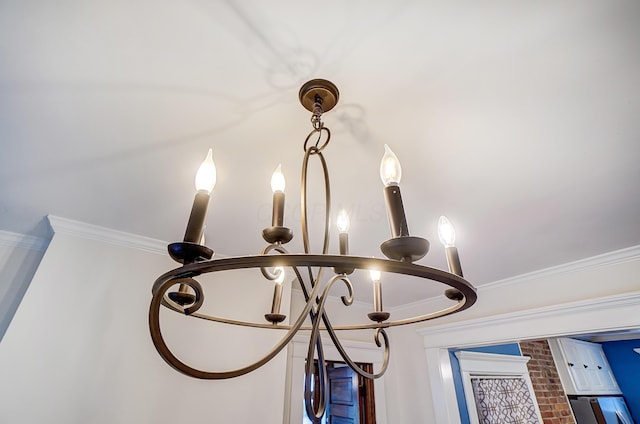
x=23, y=241
x=107, y=235
x=549, y=321
x=606, y=259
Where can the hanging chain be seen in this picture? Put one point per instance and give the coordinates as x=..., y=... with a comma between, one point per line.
x=316, y=118
x=318, y=128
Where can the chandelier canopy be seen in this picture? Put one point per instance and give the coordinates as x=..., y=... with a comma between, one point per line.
x=178, y=290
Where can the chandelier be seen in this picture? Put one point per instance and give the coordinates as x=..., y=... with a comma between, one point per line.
x=179, y=291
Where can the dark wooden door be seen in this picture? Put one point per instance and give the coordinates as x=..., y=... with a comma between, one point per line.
x=343, y=396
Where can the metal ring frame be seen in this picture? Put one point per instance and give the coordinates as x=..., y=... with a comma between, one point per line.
x=315, y=304
x=309, y=260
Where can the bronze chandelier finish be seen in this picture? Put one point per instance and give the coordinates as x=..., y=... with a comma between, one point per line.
x=402, y=250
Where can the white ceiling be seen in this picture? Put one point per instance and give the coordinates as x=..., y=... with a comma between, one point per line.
x=519, y=120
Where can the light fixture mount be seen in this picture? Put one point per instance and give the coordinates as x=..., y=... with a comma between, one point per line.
x=319, y=91
x=307, y=269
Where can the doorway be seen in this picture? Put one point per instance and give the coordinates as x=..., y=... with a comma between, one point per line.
x=351, y=398
x=359, y=351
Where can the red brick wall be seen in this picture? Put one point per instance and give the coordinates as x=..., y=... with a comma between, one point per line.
x=553, y=403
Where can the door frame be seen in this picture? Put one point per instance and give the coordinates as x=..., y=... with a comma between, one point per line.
x=296, y=357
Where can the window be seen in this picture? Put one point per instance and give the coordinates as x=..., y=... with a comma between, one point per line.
x=498, y=389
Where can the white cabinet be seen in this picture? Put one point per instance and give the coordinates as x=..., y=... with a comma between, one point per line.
x=583, y=368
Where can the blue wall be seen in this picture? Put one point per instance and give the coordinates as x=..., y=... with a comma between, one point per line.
x=625, y=364
x=505, y=349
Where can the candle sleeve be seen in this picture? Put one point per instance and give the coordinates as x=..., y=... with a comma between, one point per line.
x=195, y=226
x=395, y=211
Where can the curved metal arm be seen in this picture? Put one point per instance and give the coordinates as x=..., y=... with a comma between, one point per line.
x=317, y=411
x=173, y=361
x=347, y=359
x=313, y=150
x=265, y=272
x=270, y=276
x=336, y=341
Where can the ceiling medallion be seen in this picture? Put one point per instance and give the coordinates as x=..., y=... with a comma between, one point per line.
x=274, y=262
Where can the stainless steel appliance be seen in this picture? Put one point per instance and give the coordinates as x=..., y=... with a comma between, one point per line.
x=601, y=410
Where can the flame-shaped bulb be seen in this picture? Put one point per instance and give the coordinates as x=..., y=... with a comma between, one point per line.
x=390, y=169
x=206, y=175
x=446, y=233
x=277, y=180
x=342, y=222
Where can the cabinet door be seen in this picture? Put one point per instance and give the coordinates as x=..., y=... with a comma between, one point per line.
x=606, y=379
x=588, y=367
x=577, y=364
x=592, y=365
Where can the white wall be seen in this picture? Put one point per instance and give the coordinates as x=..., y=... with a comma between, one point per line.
x=79, y=351
x=19, y=258
x=405, y=381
